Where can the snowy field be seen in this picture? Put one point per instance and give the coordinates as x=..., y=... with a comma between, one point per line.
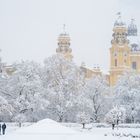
x=51, y=130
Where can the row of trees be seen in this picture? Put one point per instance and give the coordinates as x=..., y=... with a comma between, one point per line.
x=59, y=90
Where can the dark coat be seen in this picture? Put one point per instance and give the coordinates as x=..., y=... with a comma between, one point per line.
x=4, y=126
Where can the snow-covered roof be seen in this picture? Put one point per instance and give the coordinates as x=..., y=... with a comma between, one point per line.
x=134, y=43
x=132, y=29
x=119, y=22
x=64, y=34
x=134, y=39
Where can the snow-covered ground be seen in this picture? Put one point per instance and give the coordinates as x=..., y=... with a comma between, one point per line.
x=51, y=130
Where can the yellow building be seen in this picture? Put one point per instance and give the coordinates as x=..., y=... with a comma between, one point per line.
x=65, y=50
x=6, y=69
x=125, y=50
x=64, y=45
x=90, y=72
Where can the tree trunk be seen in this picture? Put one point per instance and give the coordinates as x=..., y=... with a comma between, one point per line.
x=83, y=125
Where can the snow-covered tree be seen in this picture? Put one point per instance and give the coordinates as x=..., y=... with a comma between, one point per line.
x=6, y=110
x=97, y=92
x=83, y=118
x=25, y=91
x=115, y=115
x=62, y=80
x=127, y=93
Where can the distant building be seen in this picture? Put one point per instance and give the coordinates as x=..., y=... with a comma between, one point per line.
x=90, y=72
x=5, y=69
x=124, y=52
x=64, y=45
x=66, y=51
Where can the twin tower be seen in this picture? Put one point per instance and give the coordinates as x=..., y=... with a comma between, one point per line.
x=124, y=52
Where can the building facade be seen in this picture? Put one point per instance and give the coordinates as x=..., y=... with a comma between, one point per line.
x=65, y=50
x=125, y=50
x=64, y=45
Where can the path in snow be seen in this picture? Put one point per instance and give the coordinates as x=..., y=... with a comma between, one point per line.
x=51, y=130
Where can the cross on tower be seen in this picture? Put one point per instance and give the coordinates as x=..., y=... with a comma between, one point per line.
x=64, y=28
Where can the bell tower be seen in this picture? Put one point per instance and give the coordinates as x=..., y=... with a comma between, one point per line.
x=134, y=42
x=64, y=45
x=120, y=51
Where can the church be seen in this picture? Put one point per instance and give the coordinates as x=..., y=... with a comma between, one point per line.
x=124, y=51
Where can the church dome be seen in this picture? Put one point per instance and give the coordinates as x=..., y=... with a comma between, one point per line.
x=64, y=43
x=64, y=39
x=119, y=22
x=133, y=37
x=132, y=28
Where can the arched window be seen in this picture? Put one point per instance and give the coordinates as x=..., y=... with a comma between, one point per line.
x=115, y=62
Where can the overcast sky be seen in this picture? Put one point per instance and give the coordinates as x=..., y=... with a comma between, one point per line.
x=29, y=28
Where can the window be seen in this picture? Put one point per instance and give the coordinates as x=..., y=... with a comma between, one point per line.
x=115, y=62
x=134, y=65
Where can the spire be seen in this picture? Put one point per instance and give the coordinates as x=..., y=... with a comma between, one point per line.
x=119, y=32
x=64, y=28
x=132, y=28
x=64, y=39
x=132, y=36
x=64, y=42
x=119, y=21
x=64, y=33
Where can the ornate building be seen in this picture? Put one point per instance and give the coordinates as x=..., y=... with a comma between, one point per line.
x=125, y=50
x=6, y=69
x=90, y=72
x=64, y=45
x=66, y=51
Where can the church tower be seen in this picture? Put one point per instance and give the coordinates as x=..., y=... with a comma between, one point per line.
x=119, y=52
x=135, y=46
x=64, y=45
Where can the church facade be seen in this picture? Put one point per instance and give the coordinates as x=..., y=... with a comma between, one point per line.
x=65, y=50
x=124, y=51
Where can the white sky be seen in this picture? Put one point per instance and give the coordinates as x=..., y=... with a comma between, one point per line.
x=29, y=28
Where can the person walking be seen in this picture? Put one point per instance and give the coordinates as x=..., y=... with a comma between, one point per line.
x=117, y=124
x=0, y=129
x=113, y=126
x=3, y=128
